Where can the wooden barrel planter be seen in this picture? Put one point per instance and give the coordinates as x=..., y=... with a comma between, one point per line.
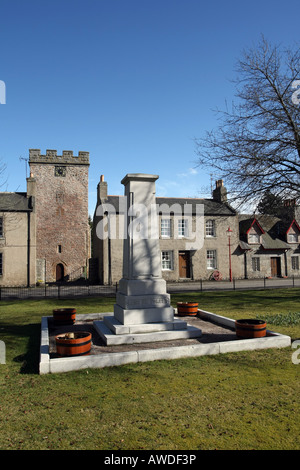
x=250, y=328
x=187, y=308
x=74, y=344
x=64, y=316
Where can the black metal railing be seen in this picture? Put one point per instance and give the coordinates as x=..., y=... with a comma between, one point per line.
x=235, y=284
x=61, y=291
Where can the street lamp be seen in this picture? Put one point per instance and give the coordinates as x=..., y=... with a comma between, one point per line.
x=229, y=232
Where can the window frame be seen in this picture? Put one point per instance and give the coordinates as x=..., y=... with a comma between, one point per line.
x=255, y=261
x=170, y=254
x=295, y=263
x=291, y=235
x=257, y=236
x=165, y=228
x=210, y=228
x=183, y=228
x=210, y=259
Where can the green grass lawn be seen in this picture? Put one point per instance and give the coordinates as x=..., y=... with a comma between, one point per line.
x=244, y=400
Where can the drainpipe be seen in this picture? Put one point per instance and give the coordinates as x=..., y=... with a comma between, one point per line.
x=245, y=265
x=109, y=250
x=285, y=262
x=28, y=249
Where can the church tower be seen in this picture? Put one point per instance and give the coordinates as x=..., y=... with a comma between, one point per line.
x=61, y=201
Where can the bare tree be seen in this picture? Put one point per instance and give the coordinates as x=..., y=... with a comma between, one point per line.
x=256, y=147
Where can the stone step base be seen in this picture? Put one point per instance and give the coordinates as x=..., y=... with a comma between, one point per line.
x=161, y=333
x=119, y=328
x=134, y=316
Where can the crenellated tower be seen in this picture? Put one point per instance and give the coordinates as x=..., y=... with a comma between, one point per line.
x=61, y=198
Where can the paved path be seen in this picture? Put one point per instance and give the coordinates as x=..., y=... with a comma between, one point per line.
x=211, y=333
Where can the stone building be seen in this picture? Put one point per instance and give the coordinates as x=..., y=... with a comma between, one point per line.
x=270, y=245
x=260, y=245
x=17, y=238
x=181, y=258
x=44, y=233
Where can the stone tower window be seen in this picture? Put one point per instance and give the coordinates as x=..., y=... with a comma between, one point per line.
x=60, y=197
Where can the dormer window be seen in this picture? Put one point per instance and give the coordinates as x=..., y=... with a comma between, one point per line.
x=292, y=238
x=253, y=238
x=293, y=233
x=254, y=233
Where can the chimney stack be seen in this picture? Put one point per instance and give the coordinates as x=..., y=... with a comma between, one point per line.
x=220, y=192
x=102, y=189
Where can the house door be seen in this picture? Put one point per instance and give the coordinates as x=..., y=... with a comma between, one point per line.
x=275, y=266
x=184, y=264
x=59, y=272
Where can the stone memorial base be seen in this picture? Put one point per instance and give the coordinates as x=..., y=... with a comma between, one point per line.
x=143, y=314
x=114, y=333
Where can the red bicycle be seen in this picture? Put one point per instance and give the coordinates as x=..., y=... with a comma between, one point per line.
x=216, y=276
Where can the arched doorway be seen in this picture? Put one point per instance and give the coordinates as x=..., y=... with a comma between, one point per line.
x=59, y=272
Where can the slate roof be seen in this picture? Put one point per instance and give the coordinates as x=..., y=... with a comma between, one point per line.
x=14, y=202
x=211, y=207
x=271, y=239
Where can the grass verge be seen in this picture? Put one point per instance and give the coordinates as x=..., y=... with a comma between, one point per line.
x=245, y=400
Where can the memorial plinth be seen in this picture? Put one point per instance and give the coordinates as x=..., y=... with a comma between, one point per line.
x=142, y=312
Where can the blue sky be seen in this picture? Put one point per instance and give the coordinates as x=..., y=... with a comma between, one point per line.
x=133, y=82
